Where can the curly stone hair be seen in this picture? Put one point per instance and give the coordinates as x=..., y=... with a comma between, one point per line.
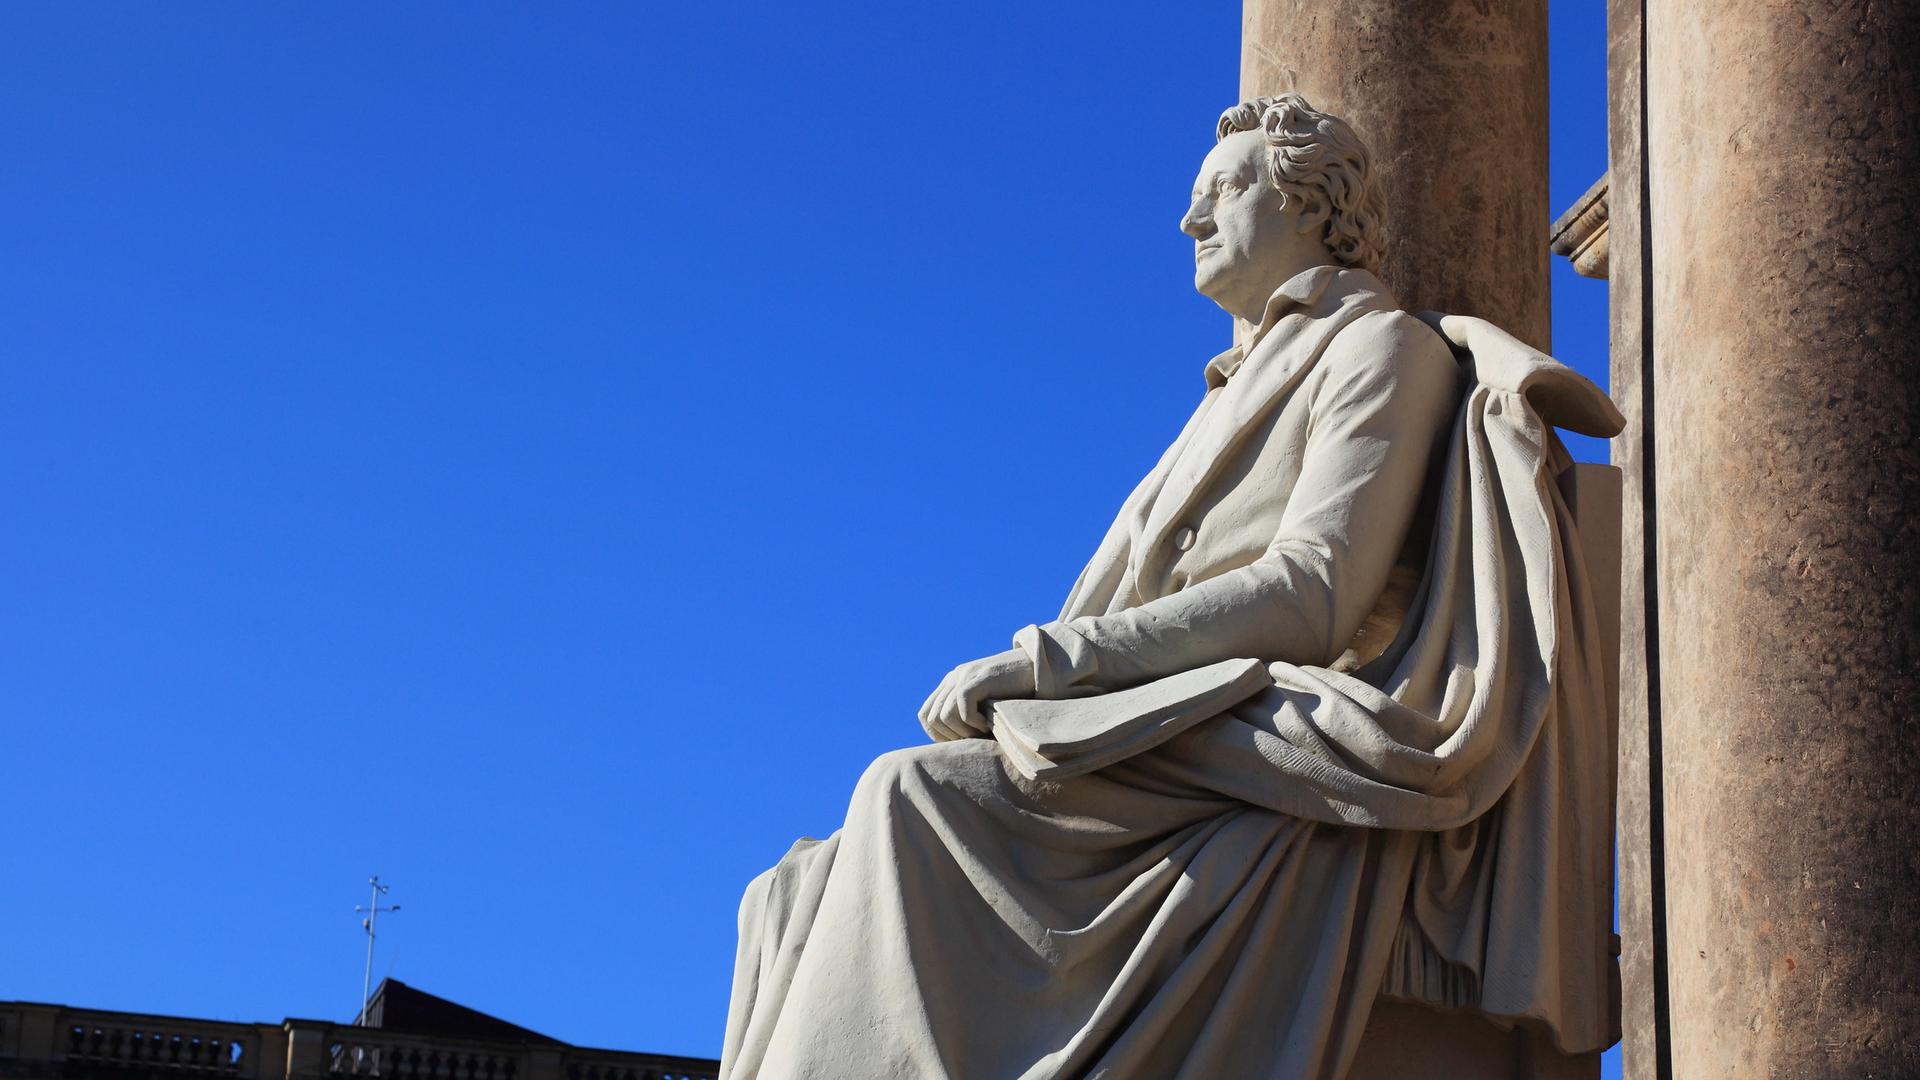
x=1317, y=157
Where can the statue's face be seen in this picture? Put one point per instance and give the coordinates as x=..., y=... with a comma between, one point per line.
x=1244, y=229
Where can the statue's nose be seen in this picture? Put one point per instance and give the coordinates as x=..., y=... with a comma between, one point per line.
x=1196, y=223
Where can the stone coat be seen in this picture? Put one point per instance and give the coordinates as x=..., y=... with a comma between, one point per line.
x=1271, y=525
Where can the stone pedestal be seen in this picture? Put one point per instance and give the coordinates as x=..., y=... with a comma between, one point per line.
x=1405, y=1041
x=1783, y=153
x=1451, y=95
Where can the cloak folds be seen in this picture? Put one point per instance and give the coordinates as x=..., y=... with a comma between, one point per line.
x=1430, y=825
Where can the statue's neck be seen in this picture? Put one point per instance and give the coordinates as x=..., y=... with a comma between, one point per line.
x=1250, y=308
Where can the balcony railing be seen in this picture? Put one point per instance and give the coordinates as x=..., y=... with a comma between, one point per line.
x=43, y=1041
x=358, y=1051
x=190, y=1046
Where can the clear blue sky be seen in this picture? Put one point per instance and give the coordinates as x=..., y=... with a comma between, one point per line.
x=543, y=453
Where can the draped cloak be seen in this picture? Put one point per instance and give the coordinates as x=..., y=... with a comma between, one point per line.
x=1417, y=808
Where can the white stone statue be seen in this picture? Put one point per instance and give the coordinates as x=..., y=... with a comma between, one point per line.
x=1320, y=722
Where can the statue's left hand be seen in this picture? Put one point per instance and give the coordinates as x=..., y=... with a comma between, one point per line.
x=952, y=711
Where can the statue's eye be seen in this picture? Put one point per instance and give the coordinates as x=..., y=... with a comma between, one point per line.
x=1225, y=186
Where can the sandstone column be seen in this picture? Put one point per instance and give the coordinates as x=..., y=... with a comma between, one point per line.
x=1452, y=97
x=1638, y=840
x=1783, y=150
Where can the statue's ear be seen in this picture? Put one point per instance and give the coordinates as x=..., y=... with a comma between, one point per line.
x=1315, y=209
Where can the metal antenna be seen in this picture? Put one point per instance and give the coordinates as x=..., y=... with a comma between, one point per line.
x=372, y=912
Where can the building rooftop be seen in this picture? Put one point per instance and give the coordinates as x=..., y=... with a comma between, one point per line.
x=409, y=1033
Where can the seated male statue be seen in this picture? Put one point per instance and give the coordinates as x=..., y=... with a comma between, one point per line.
x=1407, y=801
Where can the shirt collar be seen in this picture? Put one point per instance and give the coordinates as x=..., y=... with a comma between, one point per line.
x=1302, y=290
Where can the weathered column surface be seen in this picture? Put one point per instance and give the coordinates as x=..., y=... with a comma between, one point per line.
x=1451, y=95
x=1784, y=200
x=1639, y=811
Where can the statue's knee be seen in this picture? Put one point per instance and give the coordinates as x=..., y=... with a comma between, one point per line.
x=887, y=776
x=757, y=897
x=896, y=774
x=905, y=776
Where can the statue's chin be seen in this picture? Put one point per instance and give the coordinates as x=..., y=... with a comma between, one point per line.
x=1217, y=276
x=1203, y=282
x=1208, y=285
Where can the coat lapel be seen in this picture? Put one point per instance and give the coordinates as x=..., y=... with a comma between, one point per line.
x=1104, y=576
x=1277, y=364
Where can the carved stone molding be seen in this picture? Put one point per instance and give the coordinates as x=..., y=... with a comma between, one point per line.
x=1581, y=233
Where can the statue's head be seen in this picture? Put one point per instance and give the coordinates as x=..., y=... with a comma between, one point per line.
x=1284, y=189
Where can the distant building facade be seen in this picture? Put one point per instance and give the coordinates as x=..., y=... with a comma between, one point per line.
x=409, y=1035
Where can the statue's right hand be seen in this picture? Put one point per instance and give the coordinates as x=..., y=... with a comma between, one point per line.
x=954, y=709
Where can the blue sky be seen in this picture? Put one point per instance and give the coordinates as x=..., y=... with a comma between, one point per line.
x=542, y=454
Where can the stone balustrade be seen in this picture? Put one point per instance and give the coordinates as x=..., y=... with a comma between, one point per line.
x=57, y=1042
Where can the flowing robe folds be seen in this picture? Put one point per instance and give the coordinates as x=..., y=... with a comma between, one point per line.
x=1416, y=807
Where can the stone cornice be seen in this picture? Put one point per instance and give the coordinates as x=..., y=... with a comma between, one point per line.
x=1580, y=234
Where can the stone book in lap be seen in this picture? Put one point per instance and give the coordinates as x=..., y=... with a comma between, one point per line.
x=1057, y=739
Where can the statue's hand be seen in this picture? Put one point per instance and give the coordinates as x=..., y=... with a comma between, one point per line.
x=952, y=711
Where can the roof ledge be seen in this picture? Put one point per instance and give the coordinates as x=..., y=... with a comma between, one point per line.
x=1580, y=234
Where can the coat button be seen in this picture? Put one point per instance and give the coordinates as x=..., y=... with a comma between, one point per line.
x=1183, y=540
